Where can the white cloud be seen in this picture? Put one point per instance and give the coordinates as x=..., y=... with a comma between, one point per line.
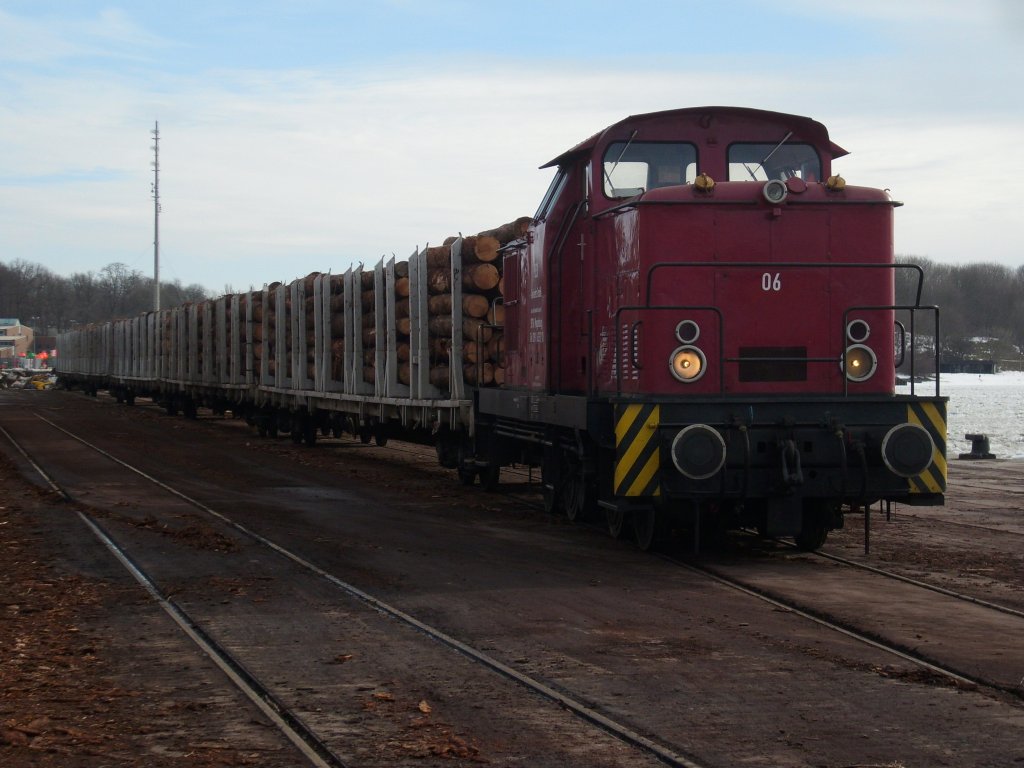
x=271, y=174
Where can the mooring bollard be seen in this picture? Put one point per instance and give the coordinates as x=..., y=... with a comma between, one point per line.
x=979, y=448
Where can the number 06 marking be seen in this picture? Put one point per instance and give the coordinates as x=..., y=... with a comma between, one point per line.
x=771, y=282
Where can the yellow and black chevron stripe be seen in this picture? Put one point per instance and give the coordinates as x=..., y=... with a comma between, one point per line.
x=637, y=456
x=931, y=416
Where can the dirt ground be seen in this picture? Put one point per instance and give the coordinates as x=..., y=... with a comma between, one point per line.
x=71, y=693
x=75, y=691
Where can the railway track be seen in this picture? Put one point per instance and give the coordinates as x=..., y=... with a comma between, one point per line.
x=915, y=582
x=313, y=747
x=970, y=526
x=945, y=670
x=931, y=675
x=777, y=599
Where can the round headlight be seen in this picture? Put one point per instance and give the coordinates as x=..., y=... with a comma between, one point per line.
x=687, y=364
x=859, y=362
x=907, y=450
x=858, y=331
x=687, y=332
x=775, y=191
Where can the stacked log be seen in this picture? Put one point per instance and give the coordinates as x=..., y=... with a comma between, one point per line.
x=285, y=362
x=243, y=303
x=309, y=312
x=403, y=325
x=274, y=348
x=200, y=334
x=256, y=332
x=368, y=296
x=481, y=310
x=337, y=322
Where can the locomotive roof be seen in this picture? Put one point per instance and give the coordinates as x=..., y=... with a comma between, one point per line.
x=703, y=117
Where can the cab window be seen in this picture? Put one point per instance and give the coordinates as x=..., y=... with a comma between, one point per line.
x=554, y=190
x=634, y=167
x=761, y=162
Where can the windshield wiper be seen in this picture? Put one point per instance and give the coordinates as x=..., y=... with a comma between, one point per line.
x=753, y=173
x=608, y=174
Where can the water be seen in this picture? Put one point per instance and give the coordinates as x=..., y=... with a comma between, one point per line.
x=990, y=404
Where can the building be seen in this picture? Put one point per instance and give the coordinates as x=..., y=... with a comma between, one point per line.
x=969, y=366
x=16, y=341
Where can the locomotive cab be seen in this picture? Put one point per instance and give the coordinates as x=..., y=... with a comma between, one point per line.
x=701, y=320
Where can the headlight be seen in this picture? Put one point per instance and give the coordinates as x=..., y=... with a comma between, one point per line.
x=858, y=363
x=687, y=363
x=687, y=332
x=858, y=331
x=775, y=191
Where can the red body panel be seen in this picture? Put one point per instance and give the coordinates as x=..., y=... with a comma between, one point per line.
x=603, y=282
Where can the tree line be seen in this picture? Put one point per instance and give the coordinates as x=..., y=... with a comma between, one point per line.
x=48, y=302
x=981, y=311
x=980, y=300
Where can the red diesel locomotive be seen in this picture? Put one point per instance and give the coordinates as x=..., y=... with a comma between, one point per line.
x=699, y=324
x=701, y=320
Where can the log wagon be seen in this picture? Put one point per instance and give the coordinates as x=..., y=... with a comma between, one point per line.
x=697, y=324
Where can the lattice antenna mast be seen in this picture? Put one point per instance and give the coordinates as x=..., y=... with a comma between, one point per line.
x=156, y=216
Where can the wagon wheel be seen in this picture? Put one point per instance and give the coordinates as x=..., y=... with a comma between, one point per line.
x=648, y=527
x=309, y=431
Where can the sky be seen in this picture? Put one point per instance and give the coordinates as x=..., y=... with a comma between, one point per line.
x=311, y=135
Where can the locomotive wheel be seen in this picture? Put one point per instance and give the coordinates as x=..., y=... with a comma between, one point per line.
x=467, y=476
x=574, y=497
x=577, y=492
x=815, y=527
x=365, y=436
x=551, y=500
x=648, y=527
x=616, y=521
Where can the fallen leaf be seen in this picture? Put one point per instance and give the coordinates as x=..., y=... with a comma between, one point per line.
x=424, y=707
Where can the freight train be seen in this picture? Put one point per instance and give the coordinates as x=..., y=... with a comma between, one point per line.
x=697, y=324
